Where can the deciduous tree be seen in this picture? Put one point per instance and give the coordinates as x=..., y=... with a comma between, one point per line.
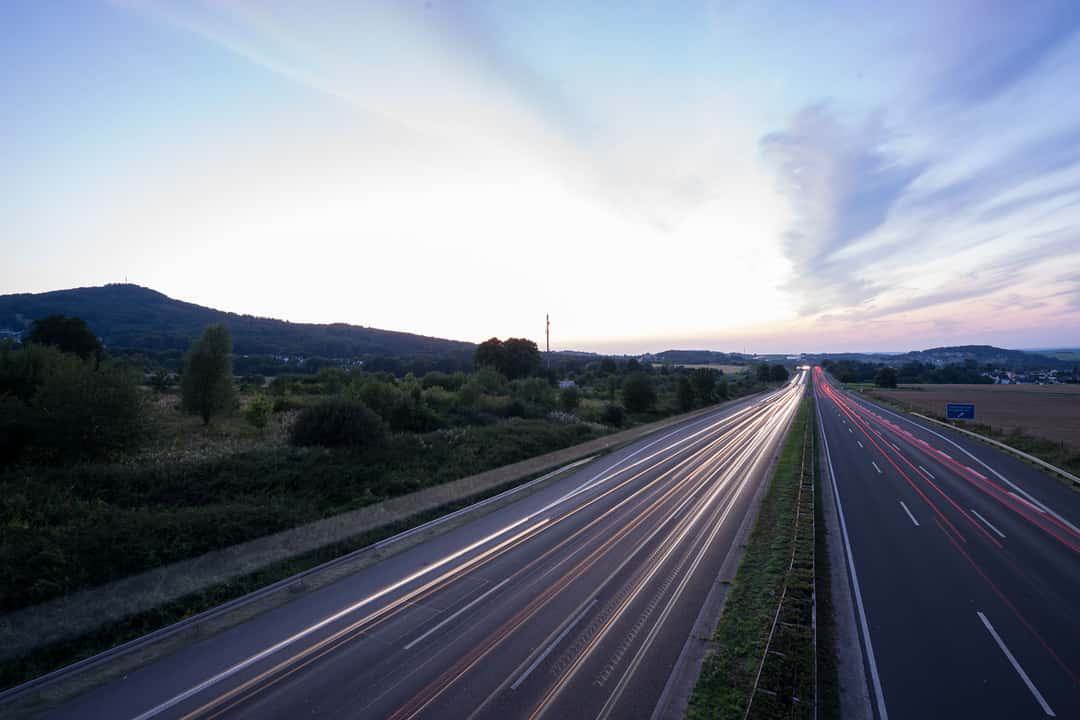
x=206, y=386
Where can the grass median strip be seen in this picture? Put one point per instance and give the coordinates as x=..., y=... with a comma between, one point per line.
x=742, y=635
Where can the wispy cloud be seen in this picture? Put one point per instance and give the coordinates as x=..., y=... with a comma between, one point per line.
x=996, y=46
x=842, y=182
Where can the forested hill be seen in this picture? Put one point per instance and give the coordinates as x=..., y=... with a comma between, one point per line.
x=131, y=317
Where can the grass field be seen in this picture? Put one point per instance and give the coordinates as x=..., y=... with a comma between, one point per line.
x=1051, y=412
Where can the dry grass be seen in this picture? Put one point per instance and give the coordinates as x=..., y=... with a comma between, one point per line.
x=1047, y=411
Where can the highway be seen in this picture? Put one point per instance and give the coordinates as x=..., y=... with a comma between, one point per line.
x=573, y=602
x=964, y=567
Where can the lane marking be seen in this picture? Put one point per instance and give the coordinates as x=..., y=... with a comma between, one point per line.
x=1031, y=505
x=987, y=523
x=553, y=645
x=876, y=467
x=860, y=444
x=457, y=614
x=1032, y=501
x=875, y=679
x=909, y=514
x=1016, y=666
x=267, y=652
x=927, y=473
x=850, y=431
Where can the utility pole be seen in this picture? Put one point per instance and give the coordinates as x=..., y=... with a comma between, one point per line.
x=547, y=338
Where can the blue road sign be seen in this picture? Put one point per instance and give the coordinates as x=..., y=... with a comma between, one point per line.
x=960, y=411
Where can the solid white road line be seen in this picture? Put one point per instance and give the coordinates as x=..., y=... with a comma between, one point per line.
x=456, y=614
x=927, y=473
x=909, y=513
x=1031, y=505
x=552, y=646
x=1031, y=500
x=875, y=679
x=860, y=444
x=267, y=652
x=987, y=523
x=876, y=467
x=1016, y=666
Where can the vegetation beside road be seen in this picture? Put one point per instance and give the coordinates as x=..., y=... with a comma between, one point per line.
x=107, y=472
x=1039, y=420
x=729, y=671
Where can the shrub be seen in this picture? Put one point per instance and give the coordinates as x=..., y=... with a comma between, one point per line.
x=569, y=398
x=639, y=395
x=533, y=390
x=338, y=423
x=258, y=411
x=83, y=413
x=613, y=415
x=684, y=393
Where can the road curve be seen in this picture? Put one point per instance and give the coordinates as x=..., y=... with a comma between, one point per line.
x=573, y=602
x=964, y=565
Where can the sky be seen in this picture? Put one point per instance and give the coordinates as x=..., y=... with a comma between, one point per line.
x=737, y=176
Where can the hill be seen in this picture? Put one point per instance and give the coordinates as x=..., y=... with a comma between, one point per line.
x=131, y=318
x=982, y=355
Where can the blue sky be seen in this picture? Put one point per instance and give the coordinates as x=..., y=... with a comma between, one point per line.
x=734, y=175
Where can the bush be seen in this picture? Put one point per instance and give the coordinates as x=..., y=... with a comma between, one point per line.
x=338, y=423
x=684, y=393
x=258, y=411
x=613, y=415
x=639, y=395
x=537, y=391
x=83, y=413
x=569, y=398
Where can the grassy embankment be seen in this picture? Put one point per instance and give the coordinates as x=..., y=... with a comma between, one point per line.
x=729, y=672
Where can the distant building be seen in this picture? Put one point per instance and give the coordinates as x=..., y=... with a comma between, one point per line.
x=563, y=384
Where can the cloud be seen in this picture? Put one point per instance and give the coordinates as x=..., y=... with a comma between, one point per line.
x=1037, y=158
x=842, y=183
x=999, y=46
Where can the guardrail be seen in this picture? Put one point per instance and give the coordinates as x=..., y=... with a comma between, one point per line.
x=1019, y=453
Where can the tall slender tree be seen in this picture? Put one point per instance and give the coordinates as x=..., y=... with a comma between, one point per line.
x=206, y=386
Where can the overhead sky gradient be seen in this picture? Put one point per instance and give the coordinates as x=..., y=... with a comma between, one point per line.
x=733, y=175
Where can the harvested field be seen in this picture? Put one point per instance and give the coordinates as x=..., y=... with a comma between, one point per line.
x=1046, y=411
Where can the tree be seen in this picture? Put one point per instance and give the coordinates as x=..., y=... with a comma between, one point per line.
x=885, y=378
x=639, y=395
x=68, y=334
x=569, y=398
x=206, y=385
x=764, y=372
x=704, y=384
x=684, y=393
x=521, y=358
x=608, y=366
x=778, y=373
x=489, y=354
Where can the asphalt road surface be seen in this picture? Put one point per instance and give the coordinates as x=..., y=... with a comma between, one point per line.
x=966, y=567
x=573, y=602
